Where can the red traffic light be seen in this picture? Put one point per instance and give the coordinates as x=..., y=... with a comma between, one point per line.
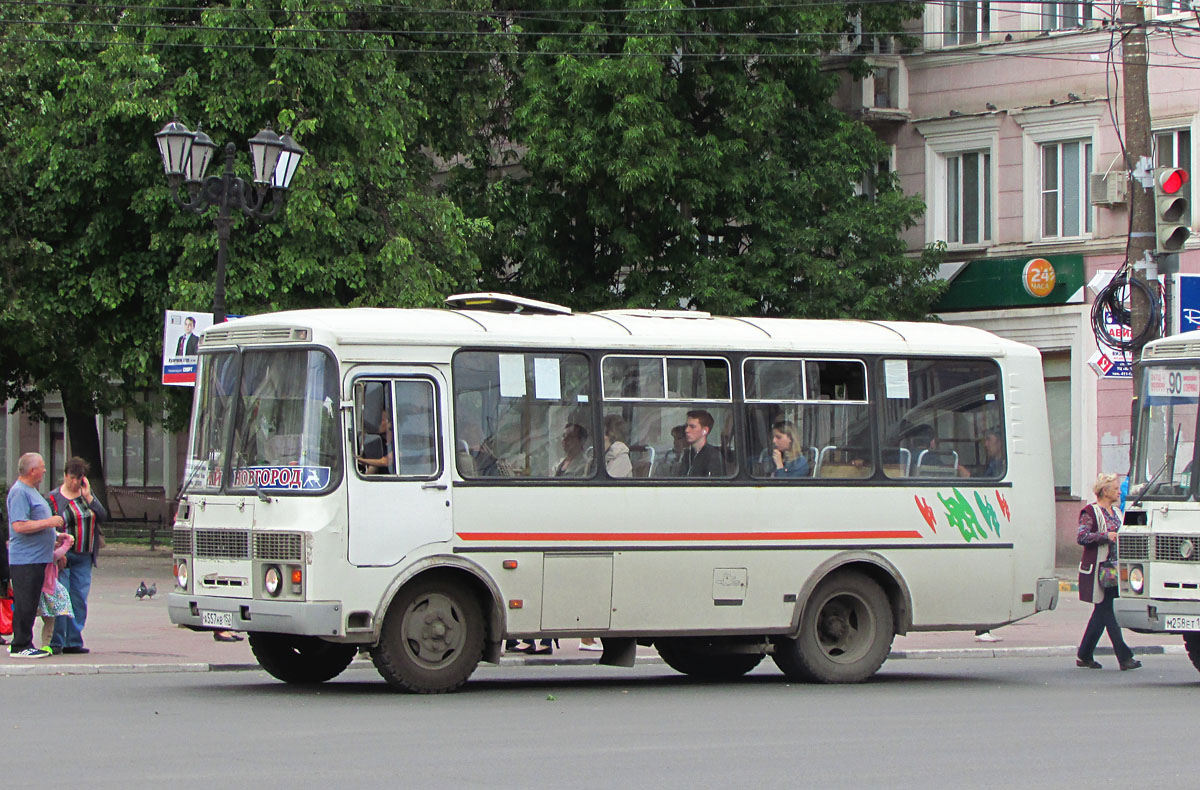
x=1171, y=179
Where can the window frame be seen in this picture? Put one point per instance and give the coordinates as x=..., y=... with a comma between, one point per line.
x=950, y=137
x=1084, y=214
x=1053, y=11
x=666, y=398
x=1062, y=123
x=390, y=381
x=883, y=422
x=981, y=31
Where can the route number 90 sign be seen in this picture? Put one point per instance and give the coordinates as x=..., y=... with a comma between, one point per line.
x=1167, y=383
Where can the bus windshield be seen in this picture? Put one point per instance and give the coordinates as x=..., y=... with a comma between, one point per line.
x=265, y=420
x=1166, y=440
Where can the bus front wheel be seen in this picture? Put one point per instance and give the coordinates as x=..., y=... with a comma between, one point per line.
x=702, y=658
x=1192, y=642
x=300, y=659
x=432, y=638
x=845, y=634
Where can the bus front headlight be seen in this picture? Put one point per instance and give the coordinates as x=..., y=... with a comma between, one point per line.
x=1136, y=579
x=272, y=581
x=181, y=574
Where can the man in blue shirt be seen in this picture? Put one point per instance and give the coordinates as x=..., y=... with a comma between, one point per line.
x=30, y=546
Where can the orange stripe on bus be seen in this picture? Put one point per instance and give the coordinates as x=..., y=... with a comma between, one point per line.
x=663, y=537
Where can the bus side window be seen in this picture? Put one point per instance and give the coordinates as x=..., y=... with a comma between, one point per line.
x=808, y=418
x=946, y=415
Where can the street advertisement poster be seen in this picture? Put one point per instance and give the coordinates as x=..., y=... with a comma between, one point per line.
x=181, y=341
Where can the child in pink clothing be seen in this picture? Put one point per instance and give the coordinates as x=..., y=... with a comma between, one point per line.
x=55, y=599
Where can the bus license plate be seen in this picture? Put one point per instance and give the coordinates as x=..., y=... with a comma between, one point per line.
x=225, y=619
x=1182, y=622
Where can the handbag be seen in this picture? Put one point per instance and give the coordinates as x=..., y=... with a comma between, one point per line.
x=6, y=615
x=1108, y=573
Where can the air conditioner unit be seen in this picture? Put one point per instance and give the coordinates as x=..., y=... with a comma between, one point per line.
x=1109, y=189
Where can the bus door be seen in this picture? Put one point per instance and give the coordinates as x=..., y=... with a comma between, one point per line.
x=399, y=494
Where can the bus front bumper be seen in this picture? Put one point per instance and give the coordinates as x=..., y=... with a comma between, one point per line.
x=1157, y=616
x=313, y=618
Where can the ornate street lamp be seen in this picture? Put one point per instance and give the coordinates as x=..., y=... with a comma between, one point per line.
x=186, y=155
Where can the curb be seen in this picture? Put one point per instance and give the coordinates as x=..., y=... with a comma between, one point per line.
x=565, y=661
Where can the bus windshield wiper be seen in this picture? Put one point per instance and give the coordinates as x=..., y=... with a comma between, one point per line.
x=1168, y=461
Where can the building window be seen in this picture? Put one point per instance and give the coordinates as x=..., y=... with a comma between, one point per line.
x=965, y=22
x=1174, y=149
x=57, y=458
x=132, y=451
x=969, y=198
x=1056, y=371
x=1066, y=207
x=1170, y=7
x=1065, y=16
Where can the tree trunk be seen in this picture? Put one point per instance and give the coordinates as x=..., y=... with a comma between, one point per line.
x=85, y=443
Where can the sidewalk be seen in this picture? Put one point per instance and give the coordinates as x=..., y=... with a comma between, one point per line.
x=130, y=635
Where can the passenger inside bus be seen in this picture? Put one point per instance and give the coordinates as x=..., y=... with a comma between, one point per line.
x=786, y=456
x=474, y=456
x=575, y=462
x=930, y=458
x=665, y=466
x=993, y=445
x=617, y=461
x=377, y=455
x=701, y=459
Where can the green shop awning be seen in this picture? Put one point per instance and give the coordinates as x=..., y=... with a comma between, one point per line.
x=997, y=283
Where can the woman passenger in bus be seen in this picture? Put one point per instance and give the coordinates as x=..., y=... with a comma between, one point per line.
x=993, y=445
x=616, y=453
x=787, y=455
x=574, y=462
x=1098, y=525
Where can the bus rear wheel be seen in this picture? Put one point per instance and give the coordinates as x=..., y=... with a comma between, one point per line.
x=432, y=638
x=845, y=634
x=703, y=658
x=300, y=659
x=1191, y=641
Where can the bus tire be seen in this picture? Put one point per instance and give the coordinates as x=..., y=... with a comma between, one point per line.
x=845, y=634
x=1191, y=641
x=695, y=657
x=300, y=660
x=432, y=638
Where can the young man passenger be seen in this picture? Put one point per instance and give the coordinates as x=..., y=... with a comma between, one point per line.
x=701, y=459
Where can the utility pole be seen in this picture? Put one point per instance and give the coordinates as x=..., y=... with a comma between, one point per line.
x=1134, y=59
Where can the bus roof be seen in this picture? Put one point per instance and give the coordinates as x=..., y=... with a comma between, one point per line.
x=1185, y=345
x=615, y=329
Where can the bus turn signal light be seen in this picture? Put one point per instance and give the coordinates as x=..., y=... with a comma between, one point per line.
x=509, y=565
x=516, y=603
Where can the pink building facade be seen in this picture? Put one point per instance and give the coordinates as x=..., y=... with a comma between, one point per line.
x=1008, y=121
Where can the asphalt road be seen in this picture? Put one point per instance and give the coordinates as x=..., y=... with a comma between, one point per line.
x=1012, y=722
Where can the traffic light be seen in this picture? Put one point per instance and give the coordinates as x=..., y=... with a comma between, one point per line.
x=1171, y=213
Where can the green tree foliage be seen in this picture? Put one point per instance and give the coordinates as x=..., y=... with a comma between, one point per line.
x=94, y=248
x=689, y=155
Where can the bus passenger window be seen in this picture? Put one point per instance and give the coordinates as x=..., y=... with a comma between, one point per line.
x=808, y=418
x=675, y=413
x=943, y=418
x=512, y=411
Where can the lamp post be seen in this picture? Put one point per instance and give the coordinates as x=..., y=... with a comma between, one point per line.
x=186, y=155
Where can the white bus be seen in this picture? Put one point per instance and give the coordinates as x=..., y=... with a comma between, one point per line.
x=1159, y=543
x=426, y=484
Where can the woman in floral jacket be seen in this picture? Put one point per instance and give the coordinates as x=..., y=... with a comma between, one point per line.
x=1098, y=524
